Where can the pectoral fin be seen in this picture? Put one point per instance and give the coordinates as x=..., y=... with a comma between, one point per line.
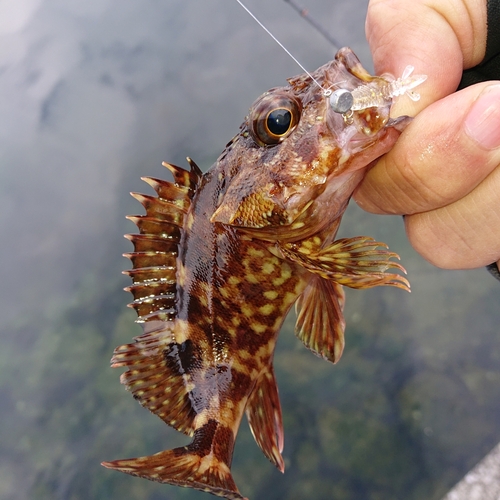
x=358, y=262
x=320, y=322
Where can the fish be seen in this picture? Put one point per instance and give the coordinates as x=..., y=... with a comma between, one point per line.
x=221, y=257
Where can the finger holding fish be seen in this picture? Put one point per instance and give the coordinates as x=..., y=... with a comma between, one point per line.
x=442, y=173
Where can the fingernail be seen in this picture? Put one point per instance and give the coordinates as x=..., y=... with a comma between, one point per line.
x=483, y=121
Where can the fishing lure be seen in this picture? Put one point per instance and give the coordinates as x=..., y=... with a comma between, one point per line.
x=376, y=93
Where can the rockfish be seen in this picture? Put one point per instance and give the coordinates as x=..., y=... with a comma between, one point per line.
x=221, y=258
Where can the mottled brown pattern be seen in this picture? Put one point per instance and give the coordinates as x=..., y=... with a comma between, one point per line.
x=224, y=444
x=203, y=438
x=222, y=257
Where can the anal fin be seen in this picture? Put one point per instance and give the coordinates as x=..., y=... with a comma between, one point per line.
x=264, y=417
x=320, y=321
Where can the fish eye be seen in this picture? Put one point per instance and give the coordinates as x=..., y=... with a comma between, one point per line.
x=273, y=118
x=278, y=121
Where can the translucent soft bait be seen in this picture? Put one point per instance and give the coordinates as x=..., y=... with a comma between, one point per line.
x=377, y=93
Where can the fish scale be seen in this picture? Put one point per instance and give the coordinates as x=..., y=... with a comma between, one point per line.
x=221, y=257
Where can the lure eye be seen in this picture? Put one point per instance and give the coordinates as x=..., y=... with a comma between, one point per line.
x=273, y=118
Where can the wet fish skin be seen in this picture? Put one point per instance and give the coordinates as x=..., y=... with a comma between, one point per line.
x=221, y=258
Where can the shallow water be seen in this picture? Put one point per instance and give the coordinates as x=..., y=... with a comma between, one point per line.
x=95, y=94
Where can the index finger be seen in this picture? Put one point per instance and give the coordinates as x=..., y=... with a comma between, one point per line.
x=439, y=38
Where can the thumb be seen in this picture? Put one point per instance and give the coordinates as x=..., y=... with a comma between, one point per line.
x=443, y=154
x=445, y=170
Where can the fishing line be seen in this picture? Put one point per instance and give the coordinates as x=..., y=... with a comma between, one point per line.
x=365, y=96
x=327, y=92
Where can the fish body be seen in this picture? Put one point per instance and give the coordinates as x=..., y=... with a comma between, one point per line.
x=221, y=258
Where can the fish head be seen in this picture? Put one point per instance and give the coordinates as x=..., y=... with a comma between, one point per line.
x=291, y=170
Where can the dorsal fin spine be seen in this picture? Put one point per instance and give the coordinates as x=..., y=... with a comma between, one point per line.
x=156, y=245
x=183, y=177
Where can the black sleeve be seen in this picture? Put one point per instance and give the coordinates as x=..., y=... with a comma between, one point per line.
x=488, y=69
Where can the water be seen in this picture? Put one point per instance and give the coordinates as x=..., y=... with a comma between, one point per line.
x=94, y=94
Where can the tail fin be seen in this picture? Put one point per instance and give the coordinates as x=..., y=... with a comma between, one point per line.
x=181, y=467
x=204, y=464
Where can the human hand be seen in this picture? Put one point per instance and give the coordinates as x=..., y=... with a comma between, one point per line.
x=444, y=171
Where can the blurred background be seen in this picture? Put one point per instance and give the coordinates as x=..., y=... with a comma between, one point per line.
x=95, y=94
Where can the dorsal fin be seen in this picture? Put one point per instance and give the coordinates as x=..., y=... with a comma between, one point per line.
x=154, y=375
x=156, y=247
x=187, y=178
